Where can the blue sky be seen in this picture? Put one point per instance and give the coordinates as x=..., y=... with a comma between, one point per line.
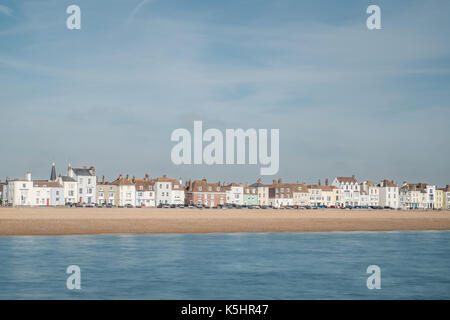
x=346, y=100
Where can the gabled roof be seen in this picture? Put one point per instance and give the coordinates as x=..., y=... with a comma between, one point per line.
x=346, y=179
x=121, y=181
x=388, y=183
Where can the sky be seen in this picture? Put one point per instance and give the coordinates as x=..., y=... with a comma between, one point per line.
x=347, y=100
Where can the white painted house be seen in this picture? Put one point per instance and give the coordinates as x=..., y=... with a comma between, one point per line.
x=18, y=192
x=372, y=190
x=87, y=183
x=389, y=194
x=350, y=190
x=47, y=193
x=168, y=191
x=234, y=193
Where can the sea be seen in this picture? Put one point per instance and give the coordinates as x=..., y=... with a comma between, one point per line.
x=316, y=265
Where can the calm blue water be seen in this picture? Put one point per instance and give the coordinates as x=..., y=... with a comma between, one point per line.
x=414, y=265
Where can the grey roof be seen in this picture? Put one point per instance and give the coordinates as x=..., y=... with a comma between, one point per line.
x=258, y=184
x=68, y=179
x=82, y=172
x=53, y=173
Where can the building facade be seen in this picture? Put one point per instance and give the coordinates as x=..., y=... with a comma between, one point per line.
x=263, y=192
x=389, y=194
x=350, y=190
x=235, y=194
x=250, y=195
x=87, y=183
x=202, y=192
x=145, y=192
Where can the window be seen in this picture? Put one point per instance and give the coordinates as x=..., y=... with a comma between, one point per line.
x=200, y=188
x=89, y=181
x=57, y=193
x=81, y=191
x=209, y=188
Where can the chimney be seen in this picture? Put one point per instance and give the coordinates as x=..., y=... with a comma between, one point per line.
x=274, y=181
x=146, y=177
x=7, y=179
x=204, y=179
x=353, y=176
x=326, y=181
x=180, y=181
x=103, y=180
x=246, y=184
x=164, y=176
x=70, y=171
x=120, y=176
x=319, y=183
x=28, y=176
x=259, y=180
x=279, y=180
x=127, y=177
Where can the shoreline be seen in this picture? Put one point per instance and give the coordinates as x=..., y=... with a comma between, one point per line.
x=88, y=221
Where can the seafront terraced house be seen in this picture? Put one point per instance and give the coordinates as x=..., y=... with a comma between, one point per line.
x=235, y=193
x=282, y=194
x=301, y=195
x=168, y=190
x=126, y=191
x=250, y=196
x=447, y=197
x=389, y=194
x=202, y=192
x=350, y=190
x=107, y=193
x=87, y=183
x=70, y=186
x=145, y=192
x=417, y=196
x=372, y=191
x=439, y=198
x=47, y=193
x=263, y=192
x=324, y=195
x=18, y=192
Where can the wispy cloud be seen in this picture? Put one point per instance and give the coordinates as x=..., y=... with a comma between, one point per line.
x=137, y=8
x=6, y=10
